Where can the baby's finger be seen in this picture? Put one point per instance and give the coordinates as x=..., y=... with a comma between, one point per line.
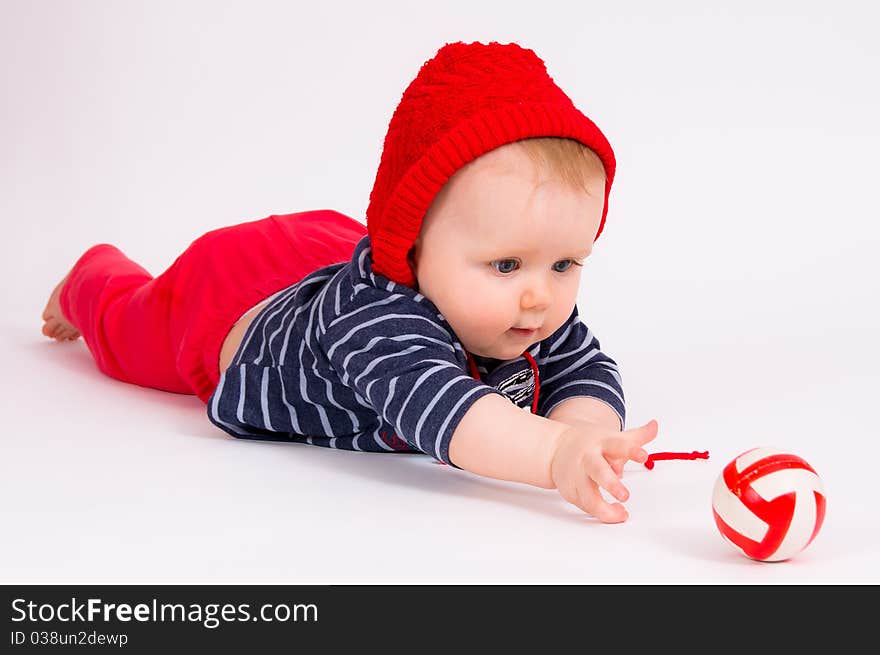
x=639, y=455
x=601, y=472
x=641, y=435
x=590, y=500
x=628, y=445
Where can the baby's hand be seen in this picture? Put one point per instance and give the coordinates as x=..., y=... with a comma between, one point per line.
x=589, y=456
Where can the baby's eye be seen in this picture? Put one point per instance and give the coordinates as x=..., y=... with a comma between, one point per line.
x=505, y=265
x=566, y=264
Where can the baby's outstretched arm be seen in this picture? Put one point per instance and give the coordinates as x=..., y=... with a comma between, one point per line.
x=499, y=440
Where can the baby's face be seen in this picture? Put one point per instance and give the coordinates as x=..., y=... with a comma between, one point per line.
x=499, y=249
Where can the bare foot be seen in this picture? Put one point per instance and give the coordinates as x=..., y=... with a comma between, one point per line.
x=56, y=326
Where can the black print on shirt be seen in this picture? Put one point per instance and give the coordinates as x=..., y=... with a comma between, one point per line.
x=519, y=388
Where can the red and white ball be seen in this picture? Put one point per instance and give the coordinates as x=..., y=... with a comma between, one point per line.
x=768, y=504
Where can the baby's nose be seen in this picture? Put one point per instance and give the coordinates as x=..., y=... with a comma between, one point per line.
x=536, y=296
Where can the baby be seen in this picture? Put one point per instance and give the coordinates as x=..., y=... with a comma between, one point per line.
x=448, y=326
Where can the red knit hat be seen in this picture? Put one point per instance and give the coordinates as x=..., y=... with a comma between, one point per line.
x=467, y=100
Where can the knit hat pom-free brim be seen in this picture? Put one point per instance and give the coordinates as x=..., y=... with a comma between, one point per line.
x=468, y=99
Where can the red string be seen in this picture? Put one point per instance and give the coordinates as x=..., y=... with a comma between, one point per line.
x=534, y=366
x=649, y=463
x=473, y=366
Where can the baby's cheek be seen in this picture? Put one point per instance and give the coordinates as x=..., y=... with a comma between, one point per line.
x=488, y=317
x=481, y=307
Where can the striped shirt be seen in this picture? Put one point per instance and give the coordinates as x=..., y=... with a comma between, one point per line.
x=346, y=358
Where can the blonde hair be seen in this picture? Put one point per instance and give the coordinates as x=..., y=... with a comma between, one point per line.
x=569, y=160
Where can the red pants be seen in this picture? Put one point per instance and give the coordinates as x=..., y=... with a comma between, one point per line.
x=166, y=332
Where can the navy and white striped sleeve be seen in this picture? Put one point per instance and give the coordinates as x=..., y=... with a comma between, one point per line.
x=397, y=356
x=573, y=365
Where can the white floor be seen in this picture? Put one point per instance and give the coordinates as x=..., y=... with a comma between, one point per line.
x=108, y=482
x=736, y=284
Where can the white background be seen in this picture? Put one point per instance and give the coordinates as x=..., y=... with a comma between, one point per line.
x=736, y=282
